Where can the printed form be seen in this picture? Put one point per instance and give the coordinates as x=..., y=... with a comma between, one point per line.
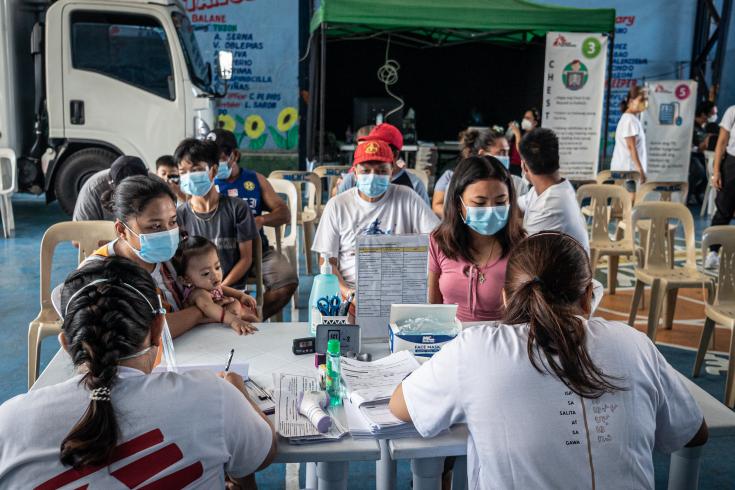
x=391, y=269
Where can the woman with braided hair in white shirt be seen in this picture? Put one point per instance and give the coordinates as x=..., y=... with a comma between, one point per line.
x=117, y=424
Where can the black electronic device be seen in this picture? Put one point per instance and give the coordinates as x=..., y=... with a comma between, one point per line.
x=305, y=345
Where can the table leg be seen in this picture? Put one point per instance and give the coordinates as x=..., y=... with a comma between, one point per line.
x=427, y=473
x=332, y=475
x=684, y=468
x=311, y=480
x=459, y=473
x=385, y=469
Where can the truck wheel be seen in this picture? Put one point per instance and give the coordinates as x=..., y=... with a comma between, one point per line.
x=75, y=171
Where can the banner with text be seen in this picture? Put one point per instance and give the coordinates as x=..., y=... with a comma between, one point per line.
x=668, y=123
x=574, y=85
x=261, y=106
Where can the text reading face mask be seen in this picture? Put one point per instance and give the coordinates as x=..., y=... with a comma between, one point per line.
x=156, y=247
x=487, y=220
x=373, y=185
x=223, y=170
x=196, y=183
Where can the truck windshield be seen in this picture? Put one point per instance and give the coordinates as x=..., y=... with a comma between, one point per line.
x=198, y=71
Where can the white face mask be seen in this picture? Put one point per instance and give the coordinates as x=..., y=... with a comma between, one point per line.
x=712, y=118
x=526, y=124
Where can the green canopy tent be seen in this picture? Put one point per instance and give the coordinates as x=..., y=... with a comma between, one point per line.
x=432, y=23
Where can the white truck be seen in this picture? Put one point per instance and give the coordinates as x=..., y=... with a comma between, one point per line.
x=84, y=81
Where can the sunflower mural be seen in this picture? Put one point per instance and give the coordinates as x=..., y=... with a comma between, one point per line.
x=286, y=133
x=254, y=128
x=227, y=122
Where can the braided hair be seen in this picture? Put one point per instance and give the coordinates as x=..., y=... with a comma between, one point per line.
x=102, y=323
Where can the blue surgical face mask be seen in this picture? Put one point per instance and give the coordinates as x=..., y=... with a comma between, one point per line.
x=156, y=247
x=504, y=159
x=487, y=220
x=196, y=183
x=223, y=170
x=373, y=185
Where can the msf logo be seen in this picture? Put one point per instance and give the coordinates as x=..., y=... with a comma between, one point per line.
x=660, y=89
x=561, y=42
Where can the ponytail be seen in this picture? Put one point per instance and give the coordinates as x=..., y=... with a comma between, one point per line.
x=547, y=277
x=106, y=318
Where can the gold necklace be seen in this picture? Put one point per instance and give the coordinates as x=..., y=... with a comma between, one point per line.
x=480, y=273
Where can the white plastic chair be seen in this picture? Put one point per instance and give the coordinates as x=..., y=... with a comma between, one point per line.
x=308, y=216
x=708, y=204
x=8, y=178
x=330, y=173
x=421, y=174
x=286, y=241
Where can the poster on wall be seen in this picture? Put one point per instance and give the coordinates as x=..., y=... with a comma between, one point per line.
x=668, y=123
x=574, y=86
x=261, y=106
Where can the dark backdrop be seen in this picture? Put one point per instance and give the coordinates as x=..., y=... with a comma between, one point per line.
x=441, y=84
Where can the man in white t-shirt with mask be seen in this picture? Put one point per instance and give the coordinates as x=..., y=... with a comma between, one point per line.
x=551, y=205
x=373, y=207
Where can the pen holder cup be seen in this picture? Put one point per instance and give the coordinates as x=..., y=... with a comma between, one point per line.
x=318, y=319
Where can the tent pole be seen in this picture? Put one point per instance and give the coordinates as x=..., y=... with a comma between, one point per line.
x=322, y=89
x=313, y=99
x=607, y=98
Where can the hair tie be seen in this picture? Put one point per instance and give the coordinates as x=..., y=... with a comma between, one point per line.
x=100, y=394
x=537, y=280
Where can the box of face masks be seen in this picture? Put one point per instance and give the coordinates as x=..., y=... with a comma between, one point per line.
x=422, y=329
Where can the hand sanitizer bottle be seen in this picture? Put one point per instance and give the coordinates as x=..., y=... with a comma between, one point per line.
x=326, y=285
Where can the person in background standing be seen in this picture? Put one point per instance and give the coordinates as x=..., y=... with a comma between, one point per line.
x=473, y=142
x=279, y=276
x=531, y=120
x=723, y=180
x=167, y=170
x=630, y=140
x=469, y=250
x=706, y=113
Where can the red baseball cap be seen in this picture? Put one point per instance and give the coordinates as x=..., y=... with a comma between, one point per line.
x=373, y=151
x=386, y=132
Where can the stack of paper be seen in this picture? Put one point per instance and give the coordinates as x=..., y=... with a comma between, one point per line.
x=369, y=386
x=289, y=422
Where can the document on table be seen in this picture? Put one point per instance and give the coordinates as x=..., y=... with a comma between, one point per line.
x=369, y=382
x=289, y=422
x=391, y=269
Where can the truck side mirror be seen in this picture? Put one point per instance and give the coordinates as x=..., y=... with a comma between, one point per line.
x=224, y=61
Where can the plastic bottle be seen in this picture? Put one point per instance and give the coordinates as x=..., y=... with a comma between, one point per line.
x=326, y=285
x=334, y=371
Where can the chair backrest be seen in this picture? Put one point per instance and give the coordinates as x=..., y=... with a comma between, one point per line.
x=709, y=163
x=331, y=173
x=657, y=247
x=8, y=171
x=724, y=236
x=303, y=180
x=87, y=234
x=279, y=236
x=602, y=198
x=619, y=177
x=422, y=175
x=665, y=191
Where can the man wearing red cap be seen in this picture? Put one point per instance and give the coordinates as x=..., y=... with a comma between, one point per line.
x=373, y=206
x=391, y=135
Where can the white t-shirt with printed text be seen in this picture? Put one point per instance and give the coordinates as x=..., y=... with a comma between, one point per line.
x=556, y=209
x=399, y=211
x=529, y=430
x=629, y=125
x=179, y=431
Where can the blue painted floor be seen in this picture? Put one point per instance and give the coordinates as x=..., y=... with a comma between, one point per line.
x=19, y=304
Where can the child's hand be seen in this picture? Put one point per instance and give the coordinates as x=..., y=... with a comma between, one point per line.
x=242, y=327
x=249, y=302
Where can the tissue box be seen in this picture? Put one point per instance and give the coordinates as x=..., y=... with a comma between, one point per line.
x=422, y=345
